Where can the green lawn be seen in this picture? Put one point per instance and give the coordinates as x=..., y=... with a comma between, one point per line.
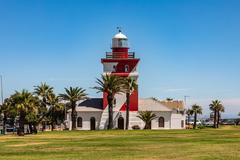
x=201, y=144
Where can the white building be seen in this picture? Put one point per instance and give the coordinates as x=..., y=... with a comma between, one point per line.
x=91, y=116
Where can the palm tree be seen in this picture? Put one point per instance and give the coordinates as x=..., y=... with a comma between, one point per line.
x=32, y=117
x=146, y=117
x=169, y=99
x=23, y=102
x=189, y=113
x=238, y=121
x=196, y=109
x=72, y=95
x=110, y=85
x=5, y=110
x=129, y=86
x=216, y=106
x=43, y=91
x=219, y=109
x=55, y=109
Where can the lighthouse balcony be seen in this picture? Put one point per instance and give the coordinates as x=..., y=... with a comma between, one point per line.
x=120, y=55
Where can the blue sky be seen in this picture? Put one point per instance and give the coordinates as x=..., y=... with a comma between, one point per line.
x=186, y=47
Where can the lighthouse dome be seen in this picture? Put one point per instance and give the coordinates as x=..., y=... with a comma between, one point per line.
x=119, y=41
x=120, y=36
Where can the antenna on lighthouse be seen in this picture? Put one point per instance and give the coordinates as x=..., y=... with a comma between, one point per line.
x=119, y=29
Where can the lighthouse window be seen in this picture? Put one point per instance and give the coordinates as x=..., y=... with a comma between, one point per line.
x=114, y=68
x=126, y=68
x=122, y=43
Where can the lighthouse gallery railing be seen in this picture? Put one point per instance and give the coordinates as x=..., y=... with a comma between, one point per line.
x=109, y=55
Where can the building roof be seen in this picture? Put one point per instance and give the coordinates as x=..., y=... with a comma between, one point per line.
x=91, y=104
x=150, y=104
x=173, y=104
x=119, y=36
x=146, y=104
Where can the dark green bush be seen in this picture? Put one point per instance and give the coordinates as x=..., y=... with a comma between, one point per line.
x=136, y=127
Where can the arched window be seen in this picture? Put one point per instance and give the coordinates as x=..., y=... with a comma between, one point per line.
x=114, y=68
x=120, y=123
x=114, y=101
x=92, y=123
x=126, y=68
x=79, y=122
x=161, y=122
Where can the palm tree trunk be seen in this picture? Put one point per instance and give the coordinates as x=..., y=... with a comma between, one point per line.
x=34, y=129
x=21, y=124
x=52, y=126
x=148, y=125
x=127, y=110
x=218, y=119
x=45, y=103
x=215, y=118
x=4, y=122
x=30, y=128
x=43, y=126
x=110, y=111
x=74, y=115
x=189, y=119
x=195, y=121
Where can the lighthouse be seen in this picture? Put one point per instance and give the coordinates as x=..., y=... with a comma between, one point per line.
x=92, y=113
x=122, y=63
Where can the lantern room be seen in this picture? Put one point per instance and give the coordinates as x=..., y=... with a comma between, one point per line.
x=119, y=41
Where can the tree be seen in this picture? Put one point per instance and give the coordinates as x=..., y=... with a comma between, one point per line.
x=110, y=85
x=6, y=111
x=196, y=109
x=238, y=121
x=216, y=107
x=169, y=99
x=56, y=110
x=23, y=102
x=219, y=109
x=129, y=86
x=32, y=118
x=43, y=91
x=189, y=113
x=146, y=117
x=72, y=95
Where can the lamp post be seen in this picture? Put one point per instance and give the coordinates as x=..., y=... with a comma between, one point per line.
x=1, y=81
x=1, y=87
x=185, y=101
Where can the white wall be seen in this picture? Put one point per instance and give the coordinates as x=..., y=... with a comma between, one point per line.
x=86, y=119
x=176, y=120
x=167, y=120
x=109, y=67
x=172, y=120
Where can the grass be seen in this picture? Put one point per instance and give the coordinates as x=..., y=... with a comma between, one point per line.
x=221, y=144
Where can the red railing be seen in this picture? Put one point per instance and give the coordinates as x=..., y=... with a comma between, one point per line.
x=111, y=55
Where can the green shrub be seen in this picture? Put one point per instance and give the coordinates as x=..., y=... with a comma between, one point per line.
x=201, y=127
x=136, y=127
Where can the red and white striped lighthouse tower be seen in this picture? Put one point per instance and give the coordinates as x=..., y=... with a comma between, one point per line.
x=123, y=63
